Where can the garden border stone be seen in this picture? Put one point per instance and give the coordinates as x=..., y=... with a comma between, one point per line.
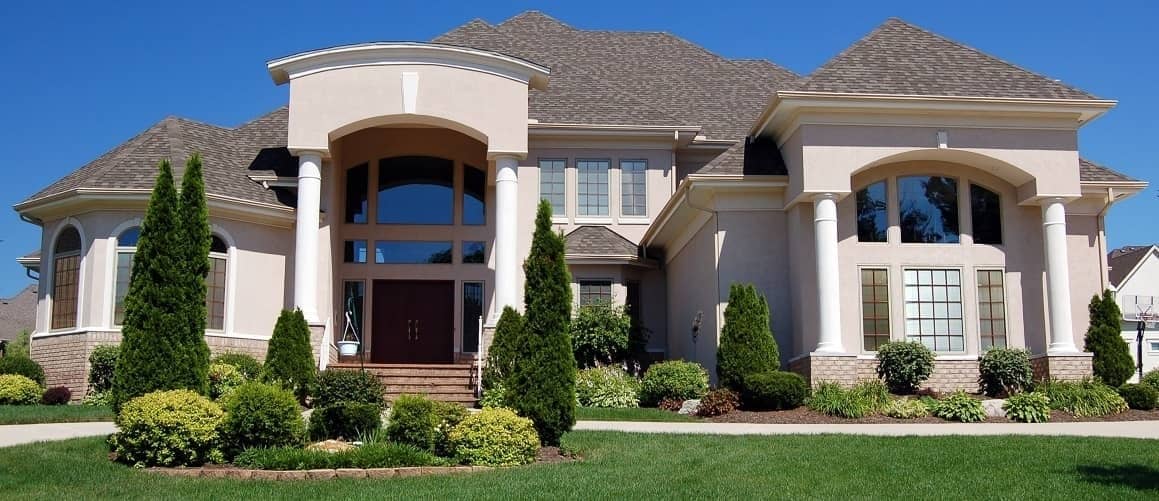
x=219, y=471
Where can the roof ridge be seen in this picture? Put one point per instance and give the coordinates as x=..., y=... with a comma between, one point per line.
x=535, y=14
x=850, y=48
x=129, y=146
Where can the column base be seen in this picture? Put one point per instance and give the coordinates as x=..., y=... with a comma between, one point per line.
x=841, y=368
x=317, y=337
x=1062, y=366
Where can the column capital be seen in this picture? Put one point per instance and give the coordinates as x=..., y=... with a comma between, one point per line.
x=817, y=197
x=320, y=153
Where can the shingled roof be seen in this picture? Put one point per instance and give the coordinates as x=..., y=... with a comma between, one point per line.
x=18, y=313
x=599, y=241
x=1123, y=260
x=758, y=156
x=1093, y=172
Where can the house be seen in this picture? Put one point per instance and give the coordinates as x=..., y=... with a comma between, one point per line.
x=1134, y=275
x=910, y=188
x=18, y=313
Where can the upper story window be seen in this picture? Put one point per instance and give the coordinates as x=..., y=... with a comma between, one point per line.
x=872, y=213
x=126, y=248
x=474, y=196
x=552, y=184
x=357, y=189
x=215, y=284
x=416, y=190
x=985, y=215
x=593, y=187
x=928, y=209
x=65, y=278
x=633, y=188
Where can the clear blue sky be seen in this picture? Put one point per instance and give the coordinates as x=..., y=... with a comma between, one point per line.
x=80, y=77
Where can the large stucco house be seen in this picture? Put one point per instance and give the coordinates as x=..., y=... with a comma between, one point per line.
x=909, y=188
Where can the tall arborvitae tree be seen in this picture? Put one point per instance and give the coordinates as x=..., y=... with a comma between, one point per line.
x=542, y=386
x=1112, y=361
x=504, y=347
x=746, y=341
x=193, y=222
x=151, y=349
x=289, y=358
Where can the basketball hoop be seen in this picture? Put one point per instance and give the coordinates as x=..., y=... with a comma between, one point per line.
x=1144, y=313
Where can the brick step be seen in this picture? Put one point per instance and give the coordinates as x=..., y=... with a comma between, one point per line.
x=421, y=372
x=467, y=398
x=428, y=388
x=422, y=380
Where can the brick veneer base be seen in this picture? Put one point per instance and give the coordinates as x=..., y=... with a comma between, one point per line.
x=1071, y=367
x=847, y=370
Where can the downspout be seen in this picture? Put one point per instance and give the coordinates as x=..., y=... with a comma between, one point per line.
x=1100, y=230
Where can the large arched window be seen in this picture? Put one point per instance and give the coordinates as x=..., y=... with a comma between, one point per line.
x=126, y=247
x=985, y=215
x=65, y=278
x=928, y=209
x=215, y=284
x=416, y=190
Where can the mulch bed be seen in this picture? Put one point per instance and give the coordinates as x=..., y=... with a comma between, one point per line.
x=553, y=455
x=802, y=415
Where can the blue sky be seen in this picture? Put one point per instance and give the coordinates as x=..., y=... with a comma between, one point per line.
x=80, y=77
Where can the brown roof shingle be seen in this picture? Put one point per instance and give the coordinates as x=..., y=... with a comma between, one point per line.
x=1124, y=259
x=18, y=313
x=1093, y=172
x=599, y=241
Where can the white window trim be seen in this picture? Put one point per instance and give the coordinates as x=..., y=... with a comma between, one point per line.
x=50, y=296
x=110, y=292
x=637, y=217
x=592, y=218
x=961, y=299
x=889, y=296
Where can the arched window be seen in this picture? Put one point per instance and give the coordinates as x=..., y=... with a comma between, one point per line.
x=474, y=200
x=928, y=209
x=416, y=190
x=215, y=283
x=126, y=248
x=872, y=213
x=986, y=215
x=65, y=278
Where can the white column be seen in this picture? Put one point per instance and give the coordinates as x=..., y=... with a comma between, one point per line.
x=828, y=285
x=1057, y=277
x=506, y=210
x=306, y=234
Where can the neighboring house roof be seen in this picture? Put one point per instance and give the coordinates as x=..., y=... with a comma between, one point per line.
x=1093, y=172
x=1123, y=261
x=900, y=58
x=18, y=313
x=599, y=241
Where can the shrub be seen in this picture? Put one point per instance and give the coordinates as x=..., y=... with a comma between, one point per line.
x=833, y=400
x=904, y=365
x=1139, y=396
x=599, y=334
x=1004, y=371
x=1033, y=407
x=336, y=385
x=959, y=406
x=493, y=397
x=18, y=390
x=509, y=333
x=260, y=415
x=246, y=364
x=195, y=238
x=289, y=358
x=1087, y=398
x=606, y=387
x=223, y=379
x=1112, y=360
x=20, y=346
x=423, y=423
x=99, y=399
x=376, y=455
x=1151, y=378
x=57, y=395
x=22, y=366
x=773, y=390
x=906, y=408
x=494, y=437
x=168, y=428
x=102, y=364
x=718, y=402
x=675, y=380
x=347, y=420
x=746, y=341
x=873, y=392
x=670, y=404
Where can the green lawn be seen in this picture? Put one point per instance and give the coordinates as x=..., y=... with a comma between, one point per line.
x=636, y=466
x=639, y=414
x=25, y=414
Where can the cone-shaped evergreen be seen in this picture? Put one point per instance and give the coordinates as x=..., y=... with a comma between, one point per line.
x=1112, y=359
x=501, y=354
x=746, y=342
x=542, y=386
x=193, y=224
x=152, y=352
x=289, y=359
x=1104, y=310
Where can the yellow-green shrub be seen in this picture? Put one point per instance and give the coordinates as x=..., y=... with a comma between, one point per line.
x=18, y=390
x=223, y=378
x=495, y=437
x=168, y=428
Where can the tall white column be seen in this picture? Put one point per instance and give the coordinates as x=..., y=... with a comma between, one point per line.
x=828, y=285
x=306, y=234
x=506, y=210
x=1057, y=277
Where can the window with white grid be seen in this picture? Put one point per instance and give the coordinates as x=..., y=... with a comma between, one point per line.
x=633, y=188
x=552, y=186
x=593, y=187
x=933, y=309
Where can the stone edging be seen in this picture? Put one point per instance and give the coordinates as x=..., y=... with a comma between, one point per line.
x=324, y=474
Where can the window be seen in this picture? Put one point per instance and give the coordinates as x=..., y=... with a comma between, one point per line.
x=65, y=278
x=593, y=187
x=126, y=248
x=1154, y=345
x=474, y=187
x=353, y=292
x=595, y=291
x=411, y=252
x=928, y=206
x=933, y=309
x=632, y=303
x=472, y=310
x=633, y=188
x=551, y=185
x=416, y=190
x=872, y=213
x=991, y=309
x=986, y=215
x=215, y=283
x=354, y=251
x=874, y=307
x=473, y=252
x=357, y=189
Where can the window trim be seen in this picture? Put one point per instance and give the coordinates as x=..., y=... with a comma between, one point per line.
x=119, y=249
x=1005, y=306
x=580, y=282
x=889, y=301
x=631, y=217
x=961, y=300
x=462, y=313
x=592, y=218
x=539, y=165
x=78, y=312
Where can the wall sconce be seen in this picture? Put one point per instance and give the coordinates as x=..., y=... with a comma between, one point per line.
x=696, y=325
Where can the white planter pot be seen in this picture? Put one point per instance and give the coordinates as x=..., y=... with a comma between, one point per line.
x=348, y=348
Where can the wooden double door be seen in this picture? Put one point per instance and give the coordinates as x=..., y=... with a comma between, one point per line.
x=413, y=322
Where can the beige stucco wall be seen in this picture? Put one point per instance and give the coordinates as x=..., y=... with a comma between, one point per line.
x=1086, y=280
x=754, y=249
x=692, y=291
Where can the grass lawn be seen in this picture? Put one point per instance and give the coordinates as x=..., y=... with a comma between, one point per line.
x=636, y=466
x=639, y=414
x=26, y=414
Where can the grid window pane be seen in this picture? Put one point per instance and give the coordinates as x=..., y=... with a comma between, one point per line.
x=874, y=307
x=66, y=271
x=215, y=294
x=633, y=194
x=552, y=186
x=593, y=187
x=472, y=309
x=595, y=291
x=121, y=287
x=991, y=309
x=933, y=312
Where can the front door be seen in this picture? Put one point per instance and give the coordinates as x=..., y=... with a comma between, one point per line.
x=413, y=322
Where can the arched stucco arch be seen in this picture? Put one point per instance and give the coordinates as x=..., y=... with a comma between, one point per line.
x=1008, y=172
x=411, y=120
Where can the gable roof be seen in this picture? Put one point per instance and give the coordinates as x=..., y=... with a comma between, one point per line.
x=18, y=313
x=900, y=58
x=1122, y=262
x=1093, y=172
x=599, y=241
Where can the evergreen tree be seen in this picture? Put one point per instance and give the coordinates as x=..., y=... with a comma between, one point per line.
x=193, y=223
x=746, y=341
x=1112, y=359
x=289, y=359
x=542, y=386
x=1104, y=310
x=501, y=354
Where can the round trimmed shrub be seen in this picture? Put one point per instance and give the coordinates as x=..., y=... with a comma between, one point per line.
x=1151, y=378
x=904, y=365
x=774, y=390
x=346, y=420
x=494, y=437
x=18, y=390
x=673, y=380
x=102, y=364
x=57, y=395
x=168, y=428
x=906, y=408
x=1004, y=371
x=422, y=422
x=718, y=402
x=1139, y=396
x=246, y=364
x=606, y=387
x=223, y=379
x=22, y=366
x=1031, y=407
x=599, y=334
x=260, y=415
x=959, y=406
x=336, y=385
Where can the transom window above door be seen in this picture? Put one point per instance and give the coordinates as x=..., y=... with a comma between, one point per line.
x=416, y=190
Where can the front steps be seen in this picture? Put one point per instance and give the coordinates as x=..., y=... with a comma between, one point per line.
x=446, y=382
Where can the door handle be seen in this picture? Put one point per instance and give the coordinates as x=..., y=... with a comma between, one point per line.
x=416, y=330
x=410, y=329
